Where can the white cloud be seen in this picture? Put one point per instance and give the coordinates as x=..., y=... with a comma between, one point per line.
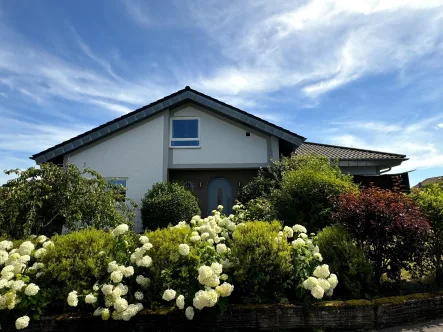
x=440, y=125
x=315, y=46
x=415, y=139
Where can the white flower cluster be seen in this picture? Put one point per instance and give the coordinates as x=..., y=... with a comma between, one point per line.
x=119, y=271
x=120, y=230
x=322, y=283
x=139, y=256
x=16, y=271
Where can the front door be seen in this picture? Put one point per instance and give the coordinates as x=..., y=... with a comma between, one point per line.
x=220, y=193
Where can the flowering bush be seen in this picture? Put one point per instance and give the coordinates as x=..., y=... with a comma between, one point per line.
x=388, y=226
x=21, y=269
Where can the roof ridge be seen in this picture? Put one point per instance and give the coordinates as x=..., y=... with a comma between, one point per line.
x=181, y=98
x=357, y=149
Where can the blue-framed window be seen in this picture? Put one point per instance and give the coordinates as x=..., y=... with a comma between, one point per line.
x=185, y=132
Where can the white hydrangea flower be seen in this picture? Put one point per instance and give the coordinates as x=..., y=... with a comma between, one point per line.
x=107, y=289
x=224, y=277
x=128, y=271
x=3, y=257
x=299, y=229
x=120, y=305
x=19, y=267
x=169, y=295
x=120, y=290
x=41, y=239
x=26, y=248
x=317, y=292
x=22, y=322
x=323, y=283
x=204, y=236
x=322, y=271
x=39, y=253
x=31, y=289
x=303, y=236
x=224, y=289
x=3, y=283
x=116, y=276
x=105, y=314
x=204, y=272
x=217, y=268
x=288, y=231
x=316, y=249
x=318, y=256
x=194, y=238
x=221, y=248
x=310, y=283
x=220, y=207
x=206, y=298
x=138, y=296
x=183, y=249
x=146, y=261
x=48, y=244
x=90, y=299
x=73, y=299
x=18, y=285
x=298, y=242
x=95, y=287
x=142, y=281
x=143, y=239
x=6, y=245
x=112, y=266
x=189, y=313
x=120, y=229
x=180, y=302
x=147, y=246
x=333, y=281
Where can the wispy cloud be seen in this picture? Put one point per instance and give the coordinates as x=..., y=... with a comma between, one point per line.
x=415, y=139
x=440, y=126
x=315, y=46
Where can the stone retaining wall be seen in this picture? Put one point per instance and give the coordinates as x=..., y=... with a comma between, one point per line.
x=351, y=315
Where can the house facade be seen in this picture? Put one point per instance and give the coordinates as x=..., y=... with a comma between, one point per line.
x=212, y=147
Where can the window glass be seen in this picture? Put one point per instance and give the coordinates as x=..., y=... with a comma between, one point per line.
x=185, y=143
x=185, y=128
x=118, y=182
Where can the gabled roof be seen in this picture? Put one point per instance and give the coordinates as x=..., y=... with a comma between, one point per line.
x=344, y=153
x=178, y=98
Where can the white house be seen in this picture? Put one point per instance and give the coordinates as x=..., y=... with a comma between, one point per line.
x=214, y=148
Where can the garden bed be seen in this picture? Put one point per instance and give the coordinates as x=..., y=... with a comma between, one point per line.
x=334, y=315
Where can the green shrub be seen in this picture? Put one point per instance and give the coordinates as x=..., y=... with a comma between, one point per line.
x=263, y=265
x=167, y=204
x=306, y=192
x=78, y=260
x=42, y=200
x=430, y=200
x=267, y=180
x=348, y=261
x=259, y=209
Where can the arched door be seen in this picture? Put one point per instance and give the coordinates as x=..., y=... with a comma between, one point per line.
x=220, y=193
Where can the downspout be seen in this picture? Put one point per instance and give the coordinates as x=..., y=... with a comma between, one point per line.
x=385, y=170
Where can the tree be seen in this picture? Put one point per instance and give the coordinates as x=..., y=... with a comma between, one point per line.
x=430, y=200
x=388, y=226
x=43, y=200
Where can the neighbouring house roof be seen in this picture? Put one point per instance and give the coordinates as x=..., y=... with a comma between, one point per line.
x=345, y=153
x=428, y=181
x=178, y=98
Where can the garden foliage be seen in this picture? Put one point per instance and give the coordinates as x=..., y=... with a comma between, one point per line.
x=306, y=192
x=349, y=262
x=42, y=200
x=430, y=200
x=389, y=227
x=167, y=204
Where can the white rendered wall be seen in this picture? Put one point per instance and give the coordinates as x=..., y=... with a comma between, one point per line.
x=135, y=153
x=222, y=142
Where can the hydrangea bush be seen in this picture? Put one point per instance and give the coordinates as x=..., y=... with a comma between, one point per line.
x=21, y=269
x=192, y=266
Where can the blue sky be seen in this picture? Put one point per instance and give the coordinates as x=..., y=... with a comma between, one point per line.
x=365, y=74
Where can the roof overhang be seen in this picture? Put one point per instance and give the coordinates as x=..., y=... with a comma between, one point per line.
x=180, y=97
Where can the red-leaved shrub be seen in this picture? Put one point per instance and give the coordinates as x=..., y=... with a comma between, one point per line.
x=388, y=226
